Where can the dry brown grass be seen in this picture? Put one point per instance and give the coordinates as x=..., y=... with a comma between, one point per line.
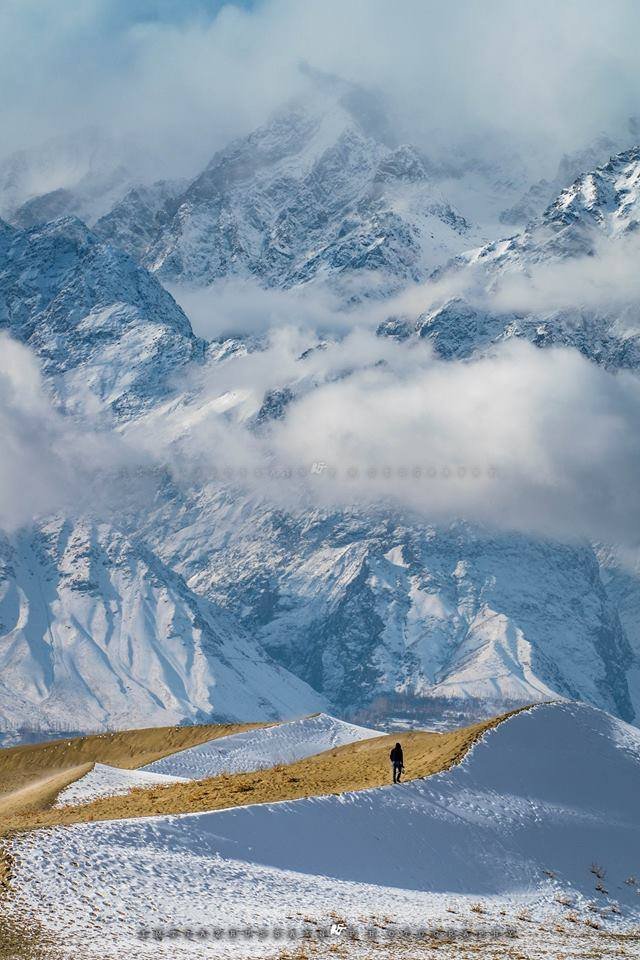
x=25, y=940
x=22, y=766
x=31, y=777
x=356, y=766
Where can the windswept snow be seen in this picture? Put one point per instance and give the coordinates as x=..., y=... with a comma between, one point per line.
x=107, y=781
x=518, y=824
x=261, y=748
x=253, y=750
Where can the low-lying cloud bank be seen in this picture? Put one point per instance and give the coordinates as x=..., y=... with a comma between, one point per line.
x=538, y=441
x=527, y=440
x=607, y=282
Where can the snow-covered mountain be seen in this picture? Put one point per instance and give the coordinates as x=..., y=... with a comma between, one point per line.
x=386, y=611
x=96, y=632
x=376, y=611
x=539, y=195
x=96, y=320
x=590, y=227
x=319, y=191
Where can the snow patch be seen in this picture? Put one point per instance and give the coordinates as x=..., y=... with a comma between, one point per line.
x=107, y=781
x=262, y=748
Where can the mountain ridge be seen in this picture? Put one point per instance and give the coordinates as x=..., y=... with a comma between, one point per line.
x=361, y=605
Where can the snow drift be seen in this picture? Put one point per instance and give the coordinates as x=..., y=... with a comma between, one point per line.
x=107, y=781
x=265, y=747
x=541, y=799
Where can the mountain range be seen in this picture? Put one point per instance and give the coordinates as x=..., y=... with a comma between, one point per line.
x=196, y=596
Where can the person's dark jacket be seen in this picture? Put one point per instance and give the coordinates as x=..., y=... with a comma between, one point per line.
x=396, y=755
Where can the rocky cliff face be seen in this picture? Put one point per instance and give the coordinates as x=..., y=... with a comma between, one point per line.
x=317, y=193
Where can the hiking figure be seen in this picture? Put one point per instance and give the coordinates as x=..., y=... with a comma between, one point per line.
x=397, y=761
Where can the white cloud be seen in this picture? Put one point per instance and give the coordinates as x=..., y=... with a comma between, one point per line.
x=242, y=307
x=608, y=280
x=528, y=440
x=541, y=442
x=543, y=74
x=50, y=462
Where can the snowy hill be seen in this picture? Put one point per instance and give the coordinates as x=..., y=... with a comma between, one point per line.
x=546, y=799
x=107, y=781
x=264, y=747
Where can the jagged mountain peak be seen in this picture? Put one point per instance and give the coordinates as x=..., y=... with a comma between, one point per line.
x=593, y=216
x=609, y=194
x=571, y=167
x=600, y=204
x=315, y=193
x=72, y=253
x=293, y=139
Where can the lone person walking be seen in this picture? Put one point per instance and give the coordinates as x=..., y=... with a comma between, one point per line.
x=397, y=761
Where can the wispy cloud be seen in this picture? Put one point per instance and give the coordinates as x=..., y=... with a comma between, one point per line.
x=542, y=442
x=185, y=77
x=52, y=463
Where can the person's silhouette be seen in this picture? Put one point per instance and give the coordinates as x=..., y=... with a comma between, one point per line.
x=397, y=762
